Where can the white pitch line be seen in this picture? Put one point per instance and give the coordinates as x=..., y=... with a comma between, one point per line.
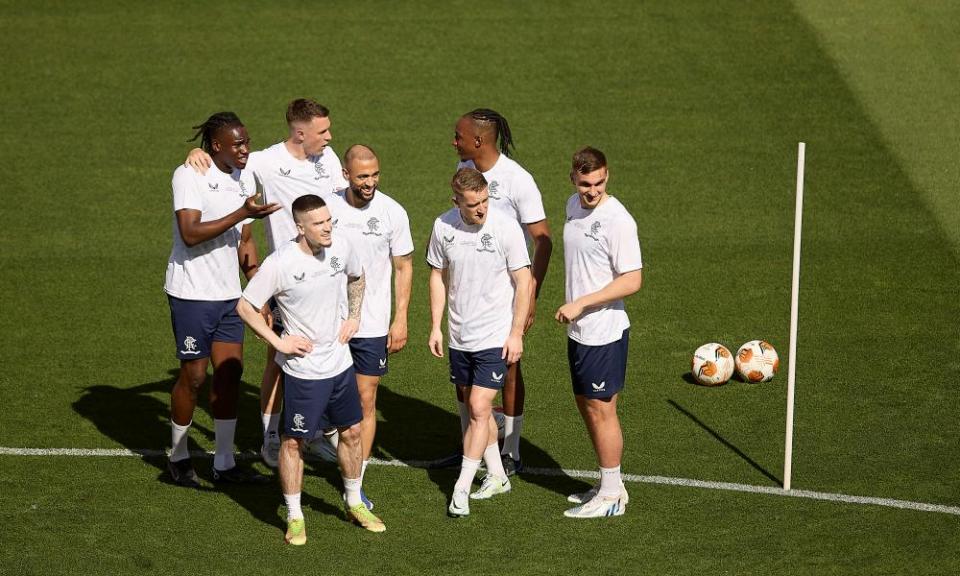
x=637, y=478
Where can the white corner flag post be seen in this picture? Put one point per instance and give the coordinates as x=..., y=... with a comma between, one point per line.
x=794, y=304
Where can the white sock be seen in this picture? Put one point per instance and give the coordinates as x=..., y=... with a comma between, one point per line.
x=464, y=418
x=468, y=471
x=491, y=457
x=610, y=482
x=352, y=487
x=363, y=469
x=293, y=506
x=223, y=432
x=271, y=424
x=511, y=436
x=333, y=437
x=179, y=441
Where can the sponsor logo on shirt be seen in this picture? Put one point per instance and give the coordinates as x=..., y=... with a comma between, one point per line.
x=492, y=187
x=449, y=240
x=486, y=243
x=298, y=423
x=213, y=186
x=285, y=172
x=190, y=343
x=373, y=226
x=300, y=278
x=594, y=230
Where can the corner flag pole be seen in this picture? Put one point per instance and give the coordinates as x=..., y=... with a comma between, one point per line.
x=794, y=305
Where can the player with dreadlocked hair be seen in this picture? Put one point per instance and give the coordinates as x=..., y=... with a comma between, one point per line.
x=207, y=130
x=212, y=244
x=483, y=140
x=486, y=118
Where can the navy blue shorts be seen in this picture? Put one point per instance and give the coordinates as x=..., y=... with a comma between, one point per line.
x=309, y=406
x=598, y=371
x=197, y=324
x=369, y=355
x=277, y=319
x=483, y=368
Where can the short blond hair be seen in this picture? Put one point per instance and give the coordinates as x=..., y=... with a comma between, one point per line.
x=468, y=179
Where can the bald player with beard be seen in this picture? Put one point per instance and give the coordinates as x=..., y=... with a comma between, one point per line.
x=380, y=228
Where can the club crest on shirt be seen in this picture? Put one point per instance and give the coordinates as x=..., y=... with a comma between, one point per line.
x=243, y=189
x=321, y=170
x=373, y=227
x=336, y=266
x=486, y=243
x=594, y=230
x=492, y=188
x=285, y=172
x=299, y=278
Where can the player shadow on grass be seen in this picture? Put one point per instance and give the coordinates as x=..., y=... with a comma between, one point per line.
x=138, y=418
x=424, y=435
x=729, y=445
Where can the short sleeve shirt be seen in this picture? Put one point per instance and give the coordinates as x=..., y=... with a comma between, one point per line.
x=599, y=245
x=311, y=292
x=207, y=271
x=512, y=190
x=380, y=230
x=284, y=178
x=478, y=260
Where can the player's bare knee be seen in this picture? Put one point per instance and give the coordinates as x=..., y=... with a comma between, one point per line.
x=350, y=435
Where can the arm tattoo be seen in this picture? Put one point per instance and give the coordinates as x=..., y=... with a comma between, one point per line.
x=355, y=288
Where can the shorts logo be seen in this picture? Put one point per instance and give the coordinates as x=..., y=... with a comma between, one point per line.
x=190, y=343
x=594, y=230
x=497, y=377
x=599, y=387
x=492, y=187
x=285, y=172
x=300, y=277
x=336, y=266
x=373, y=226
x=321, y=170
x=298, y=422
x=486, y=243
x=383, y=362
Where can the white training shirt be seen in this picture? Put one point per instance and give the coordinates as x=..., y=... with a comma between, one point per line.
x=599, y=245
x=382, y=230
x=512, y=191
x=480, y=292
x=311, y=292
x=210, y=270
x=284, y=178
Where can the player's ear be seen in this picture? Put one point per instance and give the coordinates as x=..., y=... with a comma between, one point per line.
x=215, y=145
x=454, y=200
x=346, y=175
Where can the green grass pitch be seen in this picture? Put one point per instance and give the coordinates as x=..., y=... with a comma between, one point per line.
x=699, y=107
